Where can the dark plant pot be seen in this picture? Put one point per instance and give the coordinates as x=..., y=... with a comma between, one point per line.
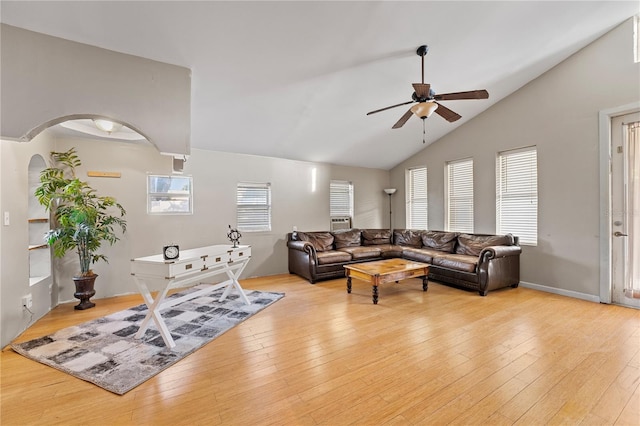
x=84, y=291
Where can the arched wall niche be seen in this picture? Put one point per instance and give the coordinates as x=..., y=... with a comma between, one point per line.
x=38, y=222
x=59, y=79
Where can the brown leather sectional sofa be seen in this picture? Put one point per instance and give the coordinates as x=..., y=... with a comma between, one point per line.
x=478, y=262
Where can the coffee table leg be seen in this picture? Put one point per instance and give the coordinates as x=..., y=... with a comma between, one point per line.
x=375, y=294
x=425, y=283
x=348, y=284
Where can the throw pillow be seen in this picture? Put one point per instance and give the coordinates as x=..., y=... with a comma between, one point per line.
x=437, y=240
x=321, y=241
x=473, y=244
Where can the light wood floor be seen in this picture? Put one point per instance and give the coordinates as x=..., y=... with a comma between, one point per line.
x=322, y=357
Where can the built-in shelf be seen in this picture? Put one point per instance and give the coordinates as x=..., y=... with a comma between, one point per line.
x=38, y=246
x=39, y=279
x=38, y=223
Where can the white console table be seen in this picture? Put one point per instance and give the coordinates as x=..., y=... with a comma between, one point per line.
x=191, y=267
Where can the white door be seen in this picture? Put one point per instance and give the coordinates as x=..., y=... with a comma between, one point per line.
x=625, y=209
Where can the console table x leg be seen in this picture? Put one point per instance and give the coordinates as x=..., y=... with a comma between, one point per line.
x=154, y=311
x=235, y=284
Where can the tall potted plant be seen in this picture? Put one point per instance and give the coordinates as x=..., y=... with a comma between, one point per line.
x=82, y=219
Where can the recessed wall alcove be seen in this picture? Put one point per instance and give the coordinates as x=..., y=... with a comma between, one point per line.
x=38, y=224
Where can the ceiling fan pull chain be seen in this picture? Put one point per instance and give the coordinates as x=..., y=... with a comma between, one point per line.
x=423, y=130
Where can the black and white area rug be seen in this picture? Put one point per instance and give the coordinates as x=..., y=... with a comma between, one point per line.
x=105, y=352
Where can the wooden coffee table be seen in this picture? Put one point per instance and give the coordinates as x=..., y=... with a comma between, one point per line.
x=386, y=271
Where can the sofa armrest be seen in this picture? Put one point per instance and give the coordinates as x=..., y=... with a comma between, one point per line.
x=304, y=246
x=298, y=245
x=498, y=266
x=494, y=252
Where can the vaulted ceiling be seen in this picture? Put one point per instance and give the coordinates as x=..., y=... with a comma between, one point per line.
x=295, y=79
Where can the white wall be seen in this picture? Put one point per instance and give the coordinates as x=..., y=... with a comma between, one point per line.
x=215, y=176
x=558, y=112
x=14, y=239
x=150, y=97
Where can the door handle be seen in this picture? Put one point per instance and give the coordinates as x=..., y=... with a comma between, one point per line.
x=619, y=234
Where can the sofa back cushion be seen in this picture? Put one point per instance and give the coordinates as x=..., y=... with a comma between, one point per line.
x=346, y=238
x=321, y=241
x=407, y=237
x=439, y=240
x=473, y=244
x=373, y=237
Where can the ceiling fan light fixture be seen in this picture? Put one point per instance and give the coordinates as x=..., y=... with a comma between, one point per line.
x=106, y=125
x=424, y=109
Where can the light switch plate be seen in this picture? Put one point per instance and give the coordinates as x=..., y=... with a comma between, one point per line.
x=6, y=219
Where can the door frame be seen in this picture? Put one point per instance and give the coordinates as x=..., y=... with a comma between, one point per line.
x=604, y=123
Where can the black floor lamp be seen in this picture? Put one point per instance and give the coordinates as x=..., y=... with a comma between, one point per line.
x=390, y=192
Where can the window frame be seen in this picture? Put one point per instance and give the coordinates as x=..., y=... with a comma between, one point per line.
x=188, y=194
x=453, y=202
x=258, y=226
x=523, y=199
x=413, y=202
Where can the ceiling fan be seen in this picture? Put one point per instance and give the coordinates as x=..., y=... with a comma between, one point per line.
x=427, y=99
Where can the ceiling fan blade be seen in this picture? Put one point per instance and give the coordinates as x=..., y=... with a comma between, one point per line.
x=407, y=115
x=447, y=114
x=422, y=90
x=389, y=107
x=472, y=94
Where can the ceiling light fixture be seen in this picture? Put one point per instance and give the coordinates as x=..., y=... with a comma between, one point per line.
x=89, y=127
x=106, y=125
x=424, y=110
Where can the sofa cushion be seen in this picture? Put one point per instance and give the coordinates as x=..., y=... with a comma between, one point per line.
x=390, y=250
x=459, y=262
x=438, y=240
x=472, y=245
x=333, y=256
x=346, y=238
x=419, y=255
x=362, y=252
x=321, y=241
x=372, y=237
x=407, y=237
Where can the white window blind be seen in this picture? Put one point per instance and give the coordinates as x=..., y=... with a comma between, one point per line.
x=459, y=216
x=169, y=194
x=340, y=198
x=254, y=207
x=417, y=207
x=517, y=194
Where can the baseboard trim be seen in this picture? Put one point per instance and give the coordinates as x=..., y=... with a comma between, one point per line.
x=561, y=292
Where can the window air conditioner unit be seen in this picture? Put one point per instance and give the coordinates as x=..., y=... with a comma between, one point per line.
x=342, y=222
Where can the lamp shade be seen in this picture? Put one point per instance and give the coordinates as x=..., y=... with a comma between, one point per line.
x=424, y=109
x=390, y=191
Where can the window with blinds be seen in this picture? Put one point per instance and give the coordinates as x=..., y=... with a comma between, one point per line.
x=340, y=198
x=253, y=207
x=459, y=206
x=517, y=194
x=417, y=207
